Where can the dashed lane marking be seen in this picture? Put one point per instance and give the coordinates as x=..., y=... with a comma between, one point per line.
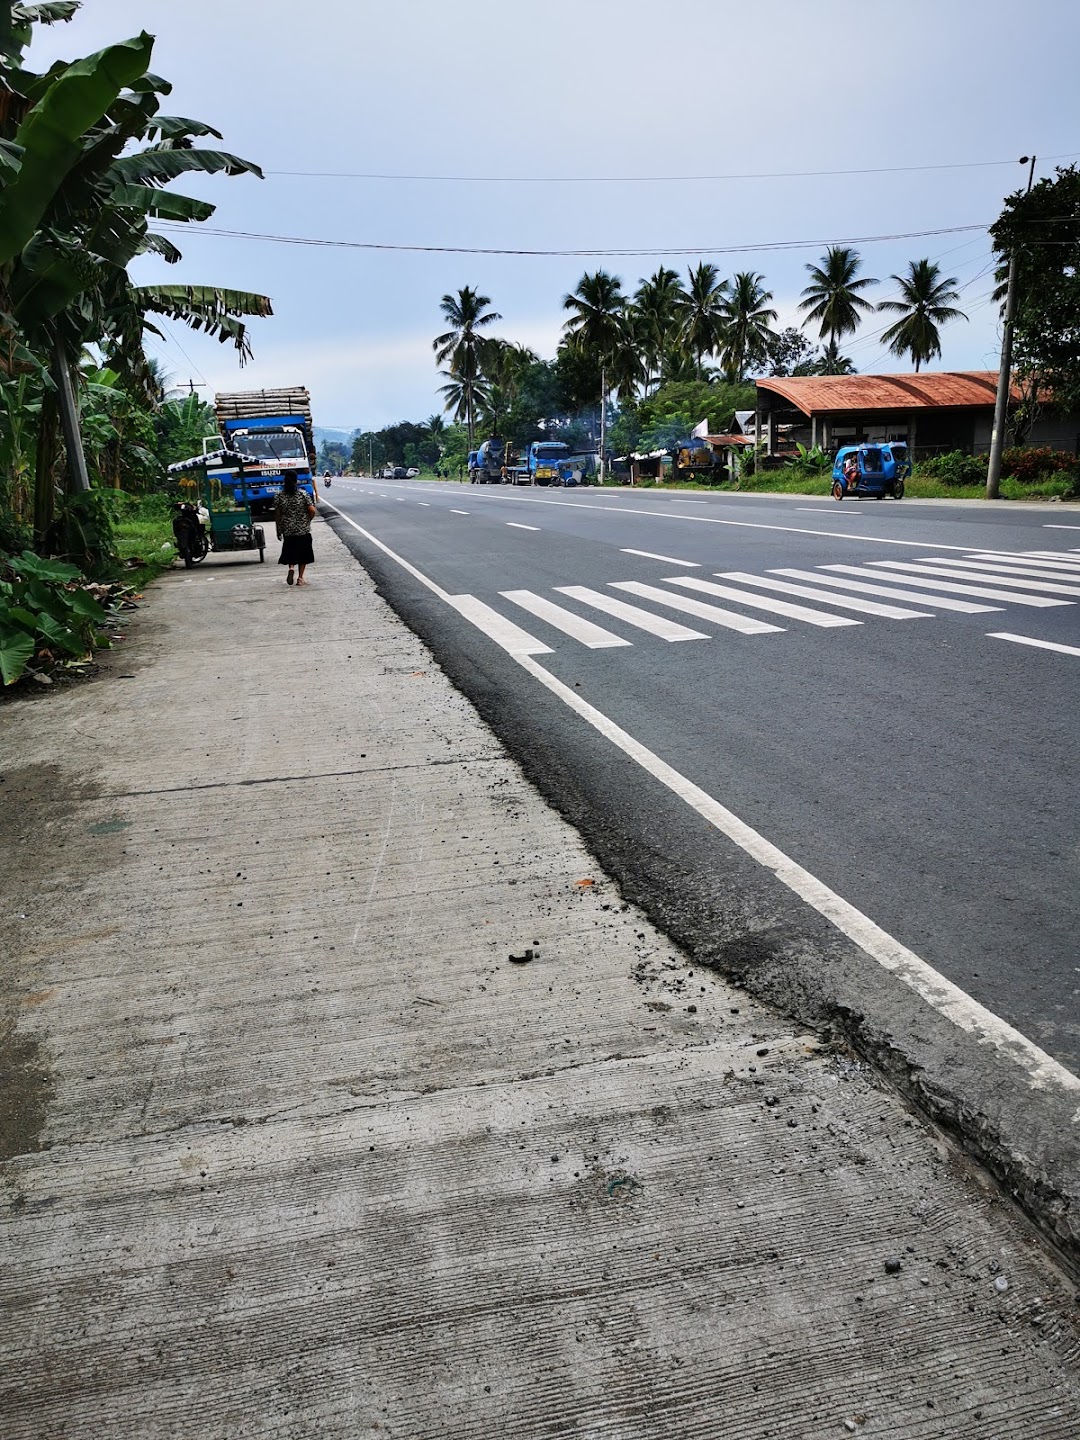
x=667, y=559
x=515, y=525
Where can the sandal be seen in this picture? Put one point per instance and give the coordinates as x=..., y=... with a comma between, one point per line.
x=289, y=579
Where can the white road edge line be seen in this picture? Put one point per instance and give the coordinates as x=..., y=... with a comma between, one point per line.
x=945, y=997
x=1061, y=527
x=1038, y=644
x=667, y=559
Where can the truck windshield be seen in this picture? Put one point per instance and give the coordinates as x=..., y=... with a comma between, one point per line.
x=271, y=444
x=550, y=452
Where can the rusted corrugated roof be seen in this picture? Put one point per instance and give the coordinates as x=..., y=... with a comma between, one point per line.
x=830, y=394
x=729, y=439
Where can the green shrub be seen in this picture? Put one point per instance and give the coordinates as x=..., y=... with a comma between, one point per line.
x=47, y=613
x=955, y=468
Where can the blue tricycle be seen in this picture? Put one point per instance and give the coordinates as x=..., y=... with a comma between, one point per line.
x=871, y=470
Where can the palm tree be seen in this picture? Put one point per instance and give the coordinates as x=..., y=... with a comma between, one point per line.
x=659, y=306
x=747, y=319
x=924, y=304
x=461, y=398
x=832, y=298
x=460, y=346
x=596, y=328
x=704, y=312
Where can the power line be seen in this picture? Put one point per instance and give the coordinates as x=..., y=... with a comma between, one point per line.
x=648, y=179
x=598, y=253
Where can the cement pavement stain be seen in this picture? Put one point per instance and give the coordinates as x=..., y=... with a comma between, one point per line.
x=57, y=846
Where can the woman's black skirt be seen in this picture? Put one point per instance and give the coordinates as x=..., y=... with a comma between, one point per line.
x=297, y=550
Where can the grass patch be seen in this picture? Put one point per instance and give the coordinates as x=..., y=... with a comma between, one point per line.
x=143, y=527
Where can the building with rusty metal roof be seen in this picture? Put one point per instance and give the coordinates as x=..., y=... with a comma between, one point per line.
x=932, y=412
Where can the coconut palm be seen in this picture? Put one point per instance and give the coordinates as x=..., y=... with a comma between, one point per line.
x=832, y=299
x=461, y=345
x=463, y=399
x=703, y=313
x=596, y=328
x=747, y=320
x=924, y=305
x=659, y=306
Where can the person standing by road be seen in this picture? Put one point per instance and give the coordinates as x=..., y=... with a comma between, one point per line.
x=293, y=514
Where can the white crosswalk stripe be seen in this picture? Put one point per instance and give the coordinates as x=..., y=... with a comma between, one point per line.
x=954, y=572
x=631, y=615
x=940, y=602
x=1031, y=570
x=504, y=632
x=1031, y=579
x=978, y=592
x=827, y=597
x=728, y=618
x=759, y=602
x=1044, y=562
x=1058, y=582
x=593, y=636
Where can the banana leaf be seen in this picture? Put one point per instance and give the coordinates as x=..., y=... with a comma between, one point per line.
x=52, y=134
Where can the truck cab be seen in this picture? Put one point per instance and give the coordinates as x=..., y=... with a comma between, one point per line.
x=544, y=459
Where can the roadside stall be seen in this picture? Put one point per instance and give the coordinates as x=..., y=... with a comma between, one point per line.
x=213, y=516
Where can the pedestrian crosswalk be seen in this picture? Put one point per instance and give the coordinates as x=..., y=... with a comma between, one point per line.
x=822, y=597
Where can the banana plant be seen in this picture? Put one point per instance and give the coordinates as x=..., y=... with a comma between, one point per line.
x=76, y=206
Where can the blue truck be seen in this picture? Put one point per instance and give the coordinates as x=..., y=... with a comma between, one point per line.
x=550, y=462
x=486, y=462
x=273, y=428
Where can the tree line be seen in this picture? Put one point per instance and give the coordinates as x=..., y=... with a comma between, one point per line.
x=675, y=332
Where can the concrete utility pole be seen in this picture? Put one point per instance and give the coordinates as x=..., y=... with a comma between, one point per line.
x=603, y=418
x=1004, y=386
x=69, y=420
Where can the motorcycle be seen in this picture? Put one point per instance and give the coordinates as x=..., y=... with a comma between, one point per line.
x=190, y=534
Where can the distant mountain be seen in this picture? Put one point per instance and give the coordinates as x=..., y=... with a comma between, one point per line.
x=341, y=437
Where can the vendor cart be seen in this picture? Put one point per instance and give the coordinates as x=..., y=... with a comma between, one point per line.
x=212, y=516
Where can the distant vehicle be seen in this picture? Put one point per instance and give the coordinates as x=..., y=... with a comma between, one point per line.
x=486, y=463
x=273, y=427
x=550, y=462
x=872, y=471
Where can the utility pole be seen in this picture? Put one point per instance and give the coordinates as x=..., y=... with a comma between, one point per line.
x=69, y=419
x=1004, y=385
x=603, y=418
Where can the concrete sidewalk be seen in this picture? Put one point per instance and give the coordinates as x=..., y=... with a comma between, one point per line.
x=291, y=1148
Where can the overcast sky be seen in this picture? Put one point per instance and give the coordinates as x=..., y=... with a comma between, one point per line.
x=625, y=89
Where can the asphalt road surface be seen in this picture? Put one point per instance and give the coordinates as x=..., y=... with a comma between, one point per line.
x=885, y=692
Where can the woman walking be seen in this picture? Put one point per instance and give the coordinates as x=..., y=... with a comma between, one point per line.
x=293, y=513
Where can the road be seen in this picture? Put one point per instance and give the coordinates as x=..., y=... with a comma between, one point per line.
x=884, y=693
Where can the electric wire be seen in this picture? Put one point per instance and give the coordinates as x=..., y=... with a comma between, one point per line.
x=581, y=253
x=651, y=179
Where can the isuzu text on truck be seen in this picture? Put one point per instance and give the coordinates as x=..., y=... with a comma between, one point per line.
x=273, y=429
